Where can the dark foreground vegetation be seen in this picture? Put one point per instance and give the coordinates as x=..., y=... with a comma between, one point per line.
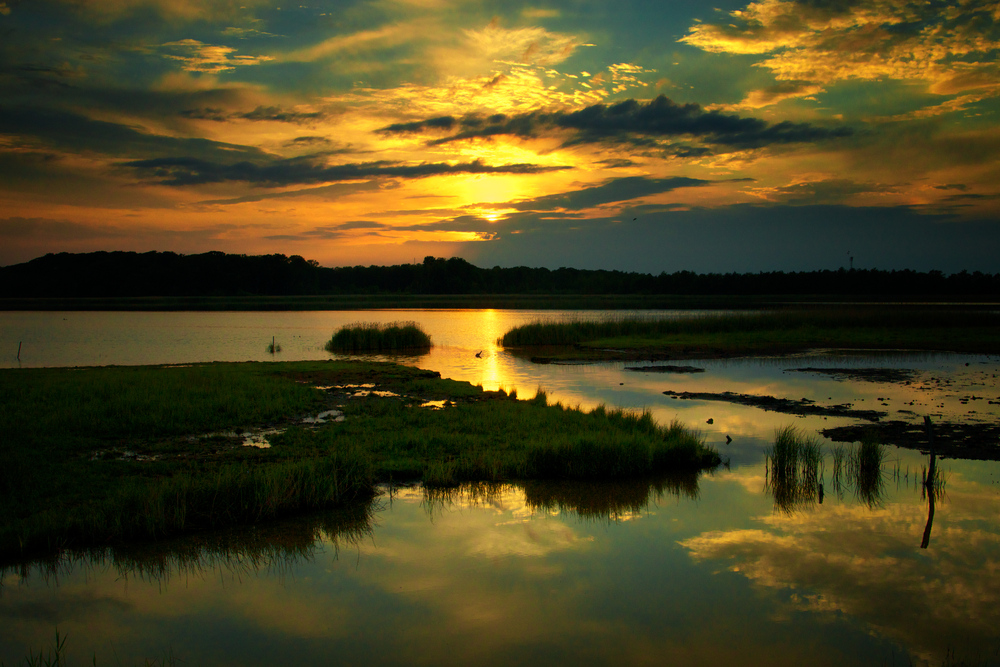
x=214, y=274
x=735, y=334
x=373, y=337
x=103, y=455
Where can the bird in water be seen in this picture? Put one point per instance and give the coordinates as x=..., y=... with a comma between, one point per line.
x=479, y=355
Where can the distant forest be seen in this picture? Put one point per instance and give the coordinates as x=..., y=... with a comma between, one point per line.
x=130, y=274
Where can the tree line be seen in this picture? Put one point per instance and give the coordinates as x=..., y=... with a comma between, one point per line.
x=130, y=274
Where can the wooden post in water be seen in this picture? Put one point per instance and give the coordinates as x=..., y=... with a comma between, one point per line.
x=929, y=485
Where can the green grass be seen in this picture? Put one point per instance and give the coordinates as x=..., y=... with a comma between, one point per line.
x=64, y=481
x=57, y=657
x=373, y=337
x=882, y=327
x=864, y=466
x=499, y=438
x=793, y=467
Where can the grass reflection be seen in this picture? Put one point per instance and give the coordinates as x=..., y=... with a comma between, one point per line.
x=270, y=548
x=607, y=500
x=794, y=469
x=864, y=464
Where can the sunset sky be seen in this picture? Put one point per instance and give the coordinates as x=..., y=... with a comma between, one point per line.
x=636, y=135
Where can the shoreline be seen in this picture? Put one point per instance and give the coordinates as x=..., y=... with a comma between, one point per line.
x=486, y=301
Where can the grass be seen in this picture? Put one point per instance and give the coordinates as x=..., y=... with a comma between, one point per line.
x=105, y=455
x=373, y=337
x=499, y=438
x=793, y=469
x=864, y=465
x=56, y=657
x=788, y=330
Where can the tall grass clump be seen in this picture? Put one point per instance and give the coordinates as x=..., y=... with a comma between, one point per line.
x=864, y=465
x=793, y=469
x=374, y=337
x=839, y=464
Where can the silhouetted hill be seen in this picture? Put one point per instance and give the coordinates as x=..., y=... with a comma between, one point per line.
x=129, y=274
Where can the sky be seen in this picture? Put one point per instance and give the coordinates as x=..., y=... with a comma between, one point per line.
x=635, y=135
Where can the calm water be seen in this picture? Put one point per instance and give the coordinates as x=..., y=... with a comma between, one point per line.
x=681, y=571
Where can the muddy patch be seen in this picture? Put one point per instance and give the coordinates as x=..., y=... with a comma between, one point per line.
x=665, y=369
x=788, y=406
x=890, y=375
x=951, y=439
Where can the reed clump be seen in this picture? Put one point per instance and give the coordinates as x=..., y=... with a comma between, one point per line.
x=770, y=330
x=794, y=469
x=864, y=466
x=375, y=338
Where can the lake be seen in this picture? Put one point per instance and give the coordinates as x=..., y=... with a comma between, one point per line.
x=736, y=565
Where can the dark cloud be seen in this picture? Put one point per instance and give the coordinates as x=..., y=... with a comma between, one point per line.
x=361, y=224
x=830, y=191
x=630, y=122
x=74, y=132
x=23, y=228
x=464, y=223
x=745, y=238
x=618, y=190
x=260, y=113
x=308, y=141
x=206, y=113
x=39, y=76
x=327, y=192
x=304, y=170
x=439, y=123
x=331, y=232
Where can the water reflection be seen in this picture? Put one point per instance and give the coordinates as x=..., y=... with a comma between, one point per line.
x=875, y=562
x=271, y=549
x=538, y=573
x=792, y=470
x=275, y=548
x=615, y=500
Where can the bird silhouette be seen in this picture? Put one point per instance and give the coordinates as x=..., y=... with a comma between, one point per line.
x=479, y=355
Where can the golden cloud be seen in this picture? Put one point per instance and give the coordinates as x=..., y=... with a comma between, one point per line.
x=206, y=58
x=949, y=50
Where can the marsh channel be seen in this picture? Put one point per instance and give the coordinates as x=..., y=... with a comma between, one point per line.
x=730, y=567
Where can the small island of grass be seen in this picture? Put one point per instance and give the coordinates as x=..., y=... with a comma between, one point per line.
x=378, y=338
x=884, y=327
x=98, y=456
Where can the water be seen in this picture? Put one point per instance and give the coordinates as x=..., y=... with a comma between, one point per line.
x=691, y=571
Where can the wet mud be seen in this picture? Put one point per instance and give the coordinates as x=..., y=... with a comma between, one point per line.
x=900, y=375
x=951, y=439
x=665, y=369
x=789, y=406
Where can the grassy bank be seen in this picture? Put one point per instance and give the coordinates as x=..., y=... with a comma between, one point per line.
x=746, y=333
x=101, y=455
x=373, y=337
x=498, y=301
